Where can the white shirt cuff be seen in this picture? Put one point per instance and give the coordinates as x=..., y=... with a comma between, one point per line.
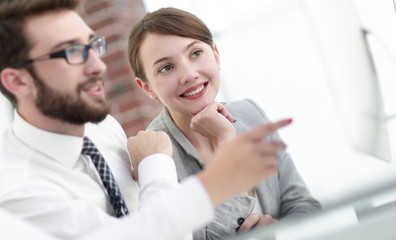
x=157, y=167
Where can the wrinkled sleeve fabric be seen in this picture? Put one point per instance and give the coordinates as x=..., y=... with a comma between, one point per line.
x=295, y=197
x=17, y=229
x=284, y=195
x=168, y=209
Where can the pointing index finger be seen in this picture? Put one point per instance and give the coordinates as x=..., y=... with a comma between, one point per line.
x=262, y=131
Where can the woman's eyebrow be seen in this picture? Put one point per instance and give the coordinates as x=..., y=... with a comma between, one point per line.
x=165, y=58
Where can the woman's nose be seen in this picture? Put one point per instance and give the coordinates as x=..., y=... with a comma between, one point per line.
x=189, y=73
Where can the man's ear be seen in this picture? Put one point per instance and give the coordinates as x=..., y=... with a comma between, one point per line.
x=146, y=88
x=14, y=80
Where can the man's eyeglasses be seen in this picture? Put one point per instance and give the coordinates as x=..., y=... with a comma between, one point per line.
x=74, y=54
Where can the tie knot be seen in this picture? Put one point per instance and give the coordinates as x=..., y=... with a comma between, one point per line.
x=89, y=147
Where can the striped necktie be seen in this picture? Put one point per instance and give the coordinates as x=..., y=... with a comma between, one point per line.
x=113, y=191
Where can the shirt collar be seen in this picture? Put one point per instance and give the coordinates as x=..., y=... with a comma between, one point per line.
x=63, y=148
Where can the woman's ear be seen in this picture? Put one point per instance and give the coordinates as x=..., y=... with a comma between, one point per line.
x=216, y=54
x=14, y=81
x=146, y=88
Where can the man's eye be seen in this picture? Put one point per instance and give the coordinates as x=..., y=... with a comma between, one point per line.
x=76, y=49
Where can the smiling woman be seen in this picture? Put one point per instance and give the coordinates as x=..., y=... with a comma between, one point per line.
x=276, y=44
x=176, y=62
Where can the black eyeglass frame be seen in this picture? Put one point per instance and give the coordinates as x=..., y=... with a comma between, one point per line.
x=98, y=43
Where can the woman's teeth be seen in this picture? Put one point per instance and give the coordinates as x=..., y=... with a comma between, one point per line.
x=196, y=91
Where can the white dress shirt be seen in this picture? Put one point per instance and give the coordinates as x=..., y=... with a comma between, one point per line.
x=13, y=228
x=45, y=180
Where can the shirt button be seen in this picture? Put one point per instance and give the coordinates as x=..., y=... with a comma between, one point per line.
x=240, y=220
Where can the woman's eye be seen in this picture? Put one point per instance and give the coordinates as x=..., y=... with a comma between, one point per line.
x=165, y=68
x=197, y=53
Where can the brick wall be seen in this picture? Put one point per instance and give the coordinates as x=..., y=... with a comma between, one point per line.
x=114, y=19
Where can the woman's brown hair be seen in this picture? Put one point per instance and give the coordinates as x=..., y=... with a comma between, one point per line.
x=167, y=21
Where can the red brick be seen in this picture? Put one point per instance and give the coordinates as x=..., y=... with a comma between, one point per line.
x=113, y=19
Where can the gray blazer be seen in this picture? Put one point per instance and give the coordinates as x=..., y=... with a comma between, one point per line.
x=280, y=196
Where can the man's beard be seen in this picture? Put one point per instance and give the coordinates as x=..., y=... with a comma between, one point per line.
x=69, y=108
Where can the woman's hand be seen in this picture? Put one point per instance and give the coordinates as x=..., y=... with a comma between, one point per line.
x=215, y=123
x=254, y=220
